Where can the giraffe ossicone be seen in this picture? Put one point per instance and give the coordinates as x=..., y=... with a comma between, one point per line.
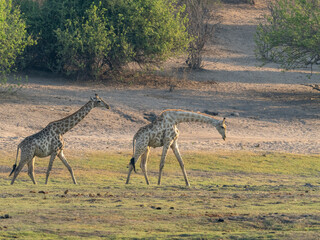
x=163, y=132
x=49, y=141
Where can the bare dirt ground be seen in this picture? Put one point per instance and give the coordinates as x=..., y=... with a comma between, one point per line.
x=266, y=109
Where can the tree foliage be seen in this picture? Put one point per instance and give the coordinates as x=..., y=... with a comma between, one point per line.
x=291, y=35
x=82, y=47
x=13, y=36
x=78, y=36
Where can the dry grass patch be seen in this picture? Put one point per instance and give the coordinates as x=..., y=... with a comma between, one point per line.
x=227, y=199
x=151, y=80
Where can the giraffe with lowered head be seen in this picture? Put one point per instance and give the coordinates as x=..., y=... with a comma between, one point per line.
x=163, y=132
x=49, y=141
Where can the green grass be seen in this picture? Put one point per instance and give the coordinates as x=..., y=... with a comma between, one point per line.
x=233, y=195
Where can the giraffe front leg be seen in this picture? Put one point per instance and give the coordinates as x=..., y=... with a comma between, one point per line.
x=31, y=170
x=163, y=158
x=176, y=152
x=143, y=164
x=52, y=157
x=65, y=162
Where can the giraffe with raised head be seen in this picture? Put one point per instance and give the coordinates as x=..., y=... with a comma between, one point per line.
x=163, y=132
x=49, y=141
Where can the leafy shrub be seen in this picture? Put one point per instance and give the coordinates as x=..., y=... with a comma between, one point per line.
x=43, y=18
x=200, y=27
x=13, y=37
x=75, y=37
x=291, y=35
x=83, y=47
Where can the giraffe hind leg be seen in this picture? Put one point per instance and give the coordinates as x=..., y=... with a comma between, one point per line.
x=129, y=173
x=176, y=152
x=143, y=164
x=137, y=153
x=163, y=158
x=25, y=158
x=52, y=157
x=31, y=170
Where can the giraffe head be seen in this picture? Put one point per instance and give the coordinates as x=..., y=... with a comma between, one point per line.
x=222, y=128
x=98, y=102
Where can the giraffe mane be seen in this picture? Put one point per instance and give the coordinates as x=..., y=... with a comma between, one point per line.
x=68, y=115
x=180, y=110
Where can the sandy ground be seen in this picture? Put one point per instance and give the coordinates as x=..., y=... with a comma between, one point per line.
x=266, y=109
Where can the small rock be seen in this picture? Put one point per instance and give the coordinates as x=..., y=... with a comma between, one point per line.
x=254, y=118
x=220, y=220
x=66, y=191
x=235, y=114
x=235, y=196
x=308, y=185
x=6, y=216
x=172, y=208
x=43, y=192
x=158, y=208
x=211, y=113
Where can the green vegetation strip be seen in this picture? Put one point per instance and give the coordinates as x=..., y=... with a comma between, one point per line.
x=233, y=195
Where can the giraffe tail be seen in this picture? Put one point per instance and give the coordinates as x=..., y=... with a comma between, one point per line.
x=15, y=164
x=132, y=162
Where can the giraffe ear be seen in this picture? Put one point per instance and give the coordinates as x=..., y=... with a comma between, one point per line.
x=91, y=99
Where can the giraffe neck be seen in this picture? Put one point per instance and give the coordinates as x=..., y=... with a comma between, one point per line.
x=64, y=125
x=185, y=116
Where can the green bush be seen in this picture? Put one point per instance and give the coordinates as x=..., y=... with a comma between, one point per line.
x=43, y=18
x=77, y=38
x=154, y=29
x=82, y=47
x=13, y=37
x=291, y=35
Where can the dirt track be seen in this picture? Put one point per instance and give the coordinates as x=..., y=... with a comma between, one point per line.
x=266, y=109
